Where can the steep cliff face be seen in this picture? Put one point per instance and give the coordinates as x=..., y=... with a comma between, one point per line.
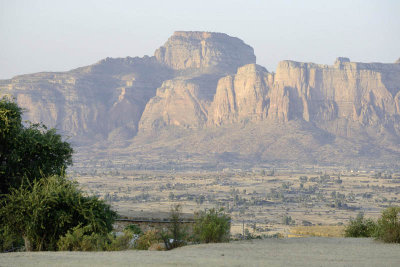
x=243, y=96
x=176, y=103
x=347, y=92
x=90, y=103
x=202, y=94
x=200, y=60
x=204, y=50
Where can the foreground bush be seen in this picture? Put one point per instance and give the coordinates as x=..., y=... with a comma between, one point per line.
x=9, y=241
x=80, y=239
x=146, y=240
x=388, y=229
x=47, y=209
x=360, y=227
x=212, y=226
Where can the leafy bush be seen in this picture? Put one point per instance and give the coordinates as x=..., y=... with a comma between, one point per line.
x=388, y=229
x=212, y=226
x=9, y=241
x=134, y=229
x=80, y=239
x=147, y=239
x=360, y=227
x=48, y=208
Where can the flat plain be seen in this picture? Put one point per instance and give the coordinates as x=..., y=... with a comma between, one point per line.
x=260, y=203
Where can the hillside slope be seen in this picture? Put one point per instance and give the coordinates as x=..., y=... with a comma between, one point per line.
x=202, y=99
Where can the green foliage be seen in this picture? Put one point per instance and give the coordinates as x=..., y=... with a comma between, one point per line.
x=81, y=239
x=9, y=241
x=28, y=152
x=212, y=226
x=176, y=230
x=46, y=209
x=287, y=220
x=360, y=227
x=134, y=229
x=388, y=229
x=147, y=239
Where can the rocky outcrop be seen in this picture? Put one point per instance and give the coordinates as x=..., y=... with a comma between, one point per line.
x=90, y=103
x=177, y=103
x=242, y=97
x=204, y=91
x=366, y=94
x=206, y=51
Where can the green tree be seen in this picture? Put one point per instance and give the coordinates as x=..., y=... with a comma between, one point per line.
x=388, y=229
x=360, y=227
x=28, y=152
x=176, y=230
x=46, y=209
x=212, y=226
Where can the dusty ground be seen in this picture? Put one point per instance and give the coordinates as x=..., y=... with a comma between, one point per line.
x=269, y=252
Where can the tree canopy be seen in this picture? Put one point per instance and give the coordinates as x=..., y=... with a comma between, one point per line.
x=47, y=209
x=28, y=151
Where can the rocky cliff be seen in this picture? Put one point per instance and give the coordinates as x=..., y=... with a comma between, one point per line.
x=209, y=52
x=201, y=97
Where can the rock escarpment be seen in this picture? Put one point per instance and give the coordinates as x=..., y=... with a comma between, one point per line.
x=209, y=52
x=203, y=94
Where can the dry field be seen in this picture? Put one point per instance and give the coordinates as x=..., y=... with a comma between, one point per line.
x=260, y=203
x=268, y=252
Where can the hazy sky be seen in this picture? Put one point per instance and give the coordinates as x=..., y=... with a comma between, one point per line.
x=57, y=35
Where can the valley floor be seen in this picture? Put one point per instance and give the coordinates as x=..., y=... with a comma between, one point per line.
x=270, y=252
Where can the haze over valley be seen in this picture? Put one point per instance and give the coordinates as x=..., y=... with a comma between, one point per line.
x=202, y=102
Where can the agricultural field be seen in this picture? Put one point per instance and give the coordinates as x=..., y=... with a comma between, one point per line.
x=260, y=203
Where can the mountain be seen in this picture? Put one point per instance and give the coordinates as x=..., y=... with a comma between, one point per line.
x=202, y=102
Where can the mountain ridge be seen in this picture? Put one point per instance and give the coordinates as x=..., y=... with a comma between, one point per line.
x=203, y=86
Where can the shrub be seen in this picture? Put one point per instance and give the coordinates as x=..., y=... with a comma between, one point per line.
x=147, y=239
x=81, y=239
x=212, y=226
x=388, y=229
x=9, y=241
x=134, y=229
x=360, y=227
x=48, y=208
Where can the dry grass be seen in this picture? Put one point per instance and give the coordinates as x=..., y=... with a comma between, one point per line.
x=317, y=230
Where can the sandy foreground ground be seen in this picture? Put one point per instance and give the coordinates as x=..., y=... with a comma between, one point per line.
x=269, y=252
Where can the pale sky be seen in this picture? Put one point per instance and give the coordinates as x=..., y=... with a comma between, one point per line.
x=53, y=35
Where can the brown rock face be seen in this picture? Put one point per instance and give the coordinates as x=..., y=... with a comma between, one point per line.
x=244, y=96
x=202, y=94
x=176, y=103
x=205, y=51
x=365, y=94
x=93, y=103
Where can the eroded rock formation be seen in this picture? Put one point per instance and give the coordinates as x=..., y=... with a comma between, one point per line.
x=205, y=83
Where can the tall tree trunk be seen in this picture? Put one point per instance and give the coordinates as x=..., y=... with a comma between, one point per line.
x=28, y=244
